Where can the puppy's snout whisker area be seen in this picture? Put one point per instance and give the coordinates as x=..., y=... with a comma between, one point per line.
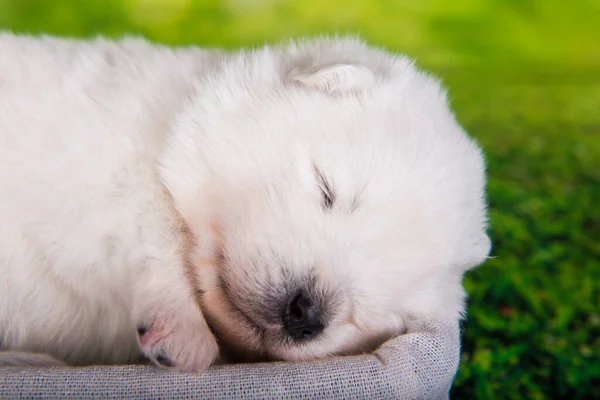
x=301, y=318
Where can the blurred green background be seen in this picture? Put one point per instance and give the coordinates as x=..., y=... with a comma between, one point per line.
x=524, y=79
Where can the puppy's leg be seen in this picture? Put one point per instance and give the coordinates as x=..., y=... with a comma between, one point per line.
x=171, y=328
x=24, y=359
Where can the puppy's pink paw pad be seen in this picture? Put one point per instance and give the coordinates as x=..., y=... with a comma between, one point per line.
x=147, y=337
x=183, y=348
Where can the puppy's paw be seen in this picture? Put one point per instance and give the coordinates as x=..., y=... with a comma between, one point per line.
x=180, y=344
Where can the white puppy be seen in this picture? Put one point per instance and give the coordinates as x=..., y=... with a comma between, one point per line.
x=290, y=202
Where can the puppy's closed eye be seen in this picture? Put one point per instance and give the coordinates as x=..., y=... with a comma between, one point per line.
x=327, y=193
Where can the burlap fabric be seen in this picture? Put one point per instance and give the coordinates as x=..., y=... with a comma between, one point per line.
x=417, y=365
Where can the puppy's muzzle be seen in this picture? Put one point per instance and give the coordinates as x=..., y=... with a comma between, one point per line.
x=301, y=319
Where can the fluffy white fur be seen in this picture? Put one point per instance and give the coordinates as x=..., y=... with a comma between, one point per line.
x=157, y=188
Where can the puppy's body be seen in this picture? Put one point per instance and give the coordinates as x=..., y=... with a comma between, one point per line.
x=89, y=239
x=136, y=180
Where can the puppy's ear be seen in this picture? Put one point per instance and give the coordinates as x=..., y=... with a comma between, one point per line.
x=478, y=252
x=338, y=78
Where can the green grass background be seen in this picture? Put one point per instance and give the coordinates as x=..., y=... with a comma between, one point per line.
x=524, y=79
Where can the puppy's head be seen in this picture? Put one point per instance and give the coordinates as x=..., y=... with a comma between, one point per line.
x=331, y=195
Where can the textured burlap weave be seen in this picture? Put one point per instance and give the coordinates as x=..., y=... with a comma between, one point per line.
x=417, y=365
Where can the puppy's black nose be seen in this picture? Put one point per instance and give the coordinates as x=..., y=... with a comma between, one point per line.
x=301, y=318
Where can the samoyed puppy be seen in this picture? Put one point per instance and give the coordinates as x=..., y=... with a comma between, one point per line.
x=180, y=204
